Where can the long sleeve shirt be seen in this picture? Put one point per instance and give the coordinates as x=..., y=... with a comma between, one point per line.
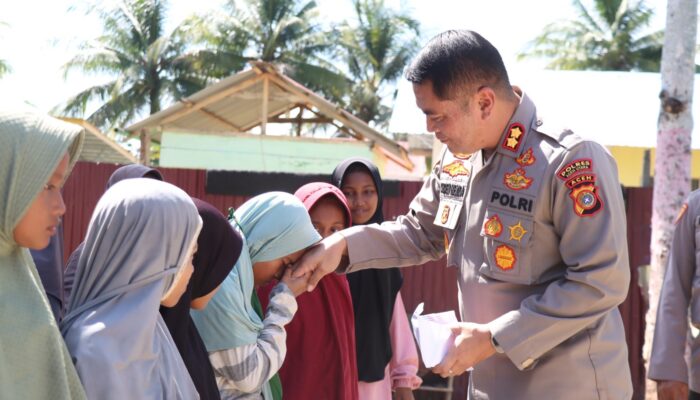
x=242, y=371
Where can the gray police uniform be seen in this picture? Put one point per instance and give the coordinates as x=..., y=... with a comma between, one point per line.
x=680, y=296
x=538, y=233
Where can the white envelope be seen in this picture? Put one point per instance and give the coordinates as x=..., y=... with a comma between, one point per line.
x=433, y=334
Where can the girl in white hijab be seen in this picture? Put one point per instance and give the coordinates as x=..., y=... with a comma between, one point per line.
x=137, y=256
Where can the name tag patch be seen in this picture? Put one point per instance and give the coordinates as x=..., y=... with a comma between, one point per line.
x=512, y=201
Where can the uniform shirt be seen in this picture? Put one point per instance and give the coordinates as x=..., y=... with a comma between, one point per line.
x=242, y=371
x=680, y=296
x=538, y=233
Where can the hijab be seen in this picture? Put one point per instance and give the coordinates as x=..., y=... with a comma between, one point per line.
x=49, y=265
x=140, y=236
x=130, y=171
x=324, y=320
x=34, y=362
x=272, y=225
x=373, y=292
x=218, y=249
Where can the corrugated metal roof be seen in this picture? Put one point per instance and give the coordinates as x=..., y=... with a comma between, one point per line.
x=236, y=104
x=100, y=148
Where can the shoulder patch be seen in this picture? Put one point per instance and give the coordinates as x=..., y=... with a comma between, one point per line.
x=574, y=167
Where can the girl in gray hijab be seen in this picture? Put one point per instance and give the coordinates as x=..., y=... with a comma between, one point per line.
x=137, y=256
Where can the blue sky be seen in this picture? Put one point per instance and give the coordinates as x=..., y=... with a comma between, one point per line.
x=43, y=34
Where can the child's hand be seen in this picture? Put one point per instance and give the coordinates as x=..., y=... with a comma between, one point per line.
x=296, y=285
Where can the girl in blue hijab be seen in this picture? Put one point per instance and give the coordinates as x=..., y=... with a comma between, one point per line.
x=246, y=349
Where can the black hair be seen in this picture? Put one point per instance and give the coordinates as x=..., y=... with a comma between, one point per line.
x=456, y=61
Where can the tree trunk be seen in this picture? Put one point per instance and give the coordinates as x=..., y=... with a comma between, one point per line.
x=672, y=166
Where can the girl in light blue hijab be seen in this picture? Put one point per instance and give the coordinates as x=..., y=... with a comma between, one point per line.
x=245, y=349
x=137, y=256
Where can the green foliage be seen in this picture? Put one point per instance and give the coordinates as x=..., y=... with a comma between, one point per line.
x=377, y=48
x=608, y=35
x=149, y=66
x=287, y=33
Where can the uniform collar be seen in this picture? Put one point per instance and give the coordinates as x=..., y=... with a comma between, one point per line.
x=521, y=123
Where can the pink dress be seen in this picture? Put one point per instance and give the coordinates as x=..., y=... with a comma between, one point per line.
x=401, y=370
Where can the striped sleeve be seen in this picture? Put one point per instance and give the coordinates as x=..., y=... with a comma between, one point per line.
x=245, y=369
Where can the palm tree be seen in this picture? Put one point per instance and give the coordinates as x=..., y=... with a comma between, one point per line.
x=607, y=36
x=283, y=32
x=377, y=49
x=4, y=66
x=148, y=66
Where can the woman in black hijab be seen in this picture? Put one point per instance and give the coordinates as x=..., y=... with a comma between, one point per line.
x=374, y=292
x=218, y=249
x=130, y=171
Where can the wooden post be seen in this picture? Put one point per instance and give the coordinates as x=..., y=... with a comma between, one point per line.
x=265, y=99
x=145, y=156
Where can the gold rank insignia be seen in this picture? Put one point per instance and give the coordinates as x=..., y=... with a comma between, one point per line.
x=455, y=168
x=517, y=231
x=445, y=214
x=493, y=226
x=526, y=159
x=505, y=257
x=517, y=180
x=514, y=137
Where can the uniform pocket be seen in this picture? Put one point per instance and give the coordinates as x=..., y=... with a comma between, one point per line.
x=506, y=247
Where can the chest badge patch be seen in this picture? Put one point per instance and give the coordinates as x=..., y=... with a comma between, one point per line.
x=517, y=180
x=514, y=137
x=526, y=158
x=505, y=257
x=493, y=226
x=517, y=231
x=455, y=168
x=445, y=214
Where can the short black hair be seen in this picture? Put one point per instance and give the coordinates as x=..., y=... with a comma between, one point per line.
x=459, y=60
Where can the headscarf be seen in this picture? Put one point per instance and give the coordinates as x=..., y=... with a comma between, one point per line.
x=49, y=265
x=139, y=238
x=324, y=320
x=373, y=292
x=273, y=225
x=34, y=362
x=130, y=171
x=218, y=249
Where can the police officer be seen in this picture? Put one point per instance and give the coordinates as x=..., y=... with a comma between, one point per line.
x=679, y=295
x=534, y=219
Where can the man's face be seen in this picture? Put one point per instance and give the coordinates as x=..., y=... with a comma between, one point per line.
x=455, y=122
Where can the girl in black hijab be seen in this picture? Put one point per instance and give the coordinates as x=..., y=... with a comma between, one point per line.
x=379, y=311
x=219, y=247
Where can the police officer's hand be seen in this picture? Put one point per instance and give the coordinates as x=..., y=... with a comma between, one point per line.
x=322, y=259
x=472, y=344
x=672, y=390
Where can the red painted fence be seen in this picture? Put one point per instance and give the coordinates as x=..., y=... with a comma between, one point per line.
x=430, y=283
